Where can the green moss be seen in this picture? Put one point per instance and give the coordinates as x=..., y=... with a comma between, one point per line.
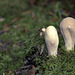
x=13, y=55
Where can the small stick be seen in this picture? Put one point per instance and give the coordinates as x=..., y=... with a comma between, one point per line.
x=7, y=43
x=42, y=48
x=13, y=20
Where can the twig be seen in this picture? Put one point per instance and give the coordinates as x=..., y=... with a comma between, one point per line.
x=13, y=20
x=7, y=43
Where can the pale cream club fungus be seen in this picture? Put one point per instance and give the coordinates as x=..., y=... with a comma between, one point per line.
x=52, y=40
x=67, y=27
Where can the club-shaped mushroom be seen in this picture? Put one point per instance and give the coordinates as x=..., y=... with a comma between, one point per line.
x=52, y=40
x=67, y=27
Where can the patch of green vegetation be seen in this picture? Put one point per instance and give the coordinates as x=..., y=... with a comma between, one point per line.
x=24, y=35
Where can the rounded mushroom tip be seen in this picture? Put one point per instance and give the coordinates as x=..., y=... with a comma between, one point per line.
x=69, y=26
x=50, y=27
x=43, y=29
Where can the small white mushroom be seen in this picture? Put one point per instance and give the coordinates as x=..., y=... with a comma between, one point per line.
x=43, y=29
x=67, y=27
x=52, y=40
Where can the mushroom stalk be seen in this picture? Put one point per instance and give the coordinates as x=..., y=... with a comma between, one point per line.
x=67, y=27
x=52, y=40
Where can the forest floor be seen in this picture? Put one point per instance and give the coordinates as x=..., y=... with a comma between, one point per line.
x=21, y=43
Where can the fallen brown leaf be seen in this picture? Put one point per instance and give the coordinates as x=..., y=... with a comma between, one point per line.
x=25, y=30
x=10, y=72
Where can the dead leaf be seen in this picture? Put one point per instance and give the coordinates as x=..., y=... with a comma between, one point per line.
x=25, y=30
x=10, y=72
x=33, y=70
x=26, y=12
x=32, y=2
